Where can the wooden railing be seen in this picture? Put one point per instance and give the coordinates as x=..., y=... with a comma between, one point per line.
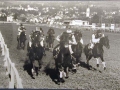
x=15, y=80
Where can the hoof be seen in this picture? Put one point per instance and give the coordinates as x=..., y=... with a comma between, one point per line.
x=36, y=74
x=78, y=64
x=58, y=83
x=104, y=68
x=62, y=80
x=33, y=77
x=67, y=77
x=74, y=70
x=97, y=65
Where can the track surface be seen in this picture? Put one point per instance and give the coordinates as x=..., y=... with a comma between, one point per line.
x=83, y=79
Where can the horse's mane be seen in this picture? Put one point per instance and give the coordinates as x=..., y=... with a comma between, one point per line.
x=22, y=33
x=102, y=39
x=78, y=36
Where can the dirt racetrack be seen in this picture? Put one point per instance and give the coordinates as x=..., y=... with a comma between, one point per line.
x=83, y=79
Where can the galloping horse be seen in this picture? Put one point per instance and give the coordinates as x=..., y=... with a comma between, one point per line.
x=21, y=40
x=50, y=40
x=35, y=50
x=97, y=51
x=63, y=60
x=77, y=49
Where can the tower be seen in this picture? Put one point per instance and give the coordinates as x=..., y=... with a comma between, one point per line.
x=87, y=12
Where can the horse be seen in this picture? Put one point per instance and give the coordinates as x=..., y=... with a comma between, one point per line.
x=63, y=60
x=21, y=40
x=97, y=51
x=78, y=48
x=50, y=40
x=35, y=51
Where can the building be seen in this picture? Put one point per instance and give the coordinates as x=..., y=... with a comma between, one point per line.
x=9, y=18
x=76, y=22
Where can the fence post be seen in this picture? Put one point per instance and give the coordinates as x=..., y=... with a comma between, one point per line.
x=10, y=67
x=19, y=80
x=5, y=51
x=11, y=84
x=3, y=43
x=8, y=62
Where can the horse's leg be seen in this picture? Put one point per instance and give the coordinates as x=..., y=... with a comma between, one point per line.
x=39, y=64
x=67, y=73
x=49, y=46
x=30, y=71
x=36, y=70
x=97, y=61
x=18, y=45
x=88, y=59
x=103, y=62
x=59, y=76
x=52, y=44
x=23, y=45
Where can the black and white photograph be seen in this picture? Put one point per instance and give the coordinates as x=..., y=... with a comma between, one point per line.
x=60, y=45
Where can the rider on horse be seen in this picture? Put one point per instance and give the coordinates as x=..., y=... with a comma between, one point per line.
x=51, y=32
x=40, y=32
x=72, y=40
x=20, y=29
x=95, y=38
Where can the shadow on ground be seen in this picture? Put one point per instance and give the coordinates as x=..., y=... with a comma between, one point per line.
x=28, y=68
x=51, y=72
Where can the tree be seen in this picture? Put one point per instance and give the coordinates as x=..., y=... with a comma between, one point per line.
x=15, y=16
x=95, y=18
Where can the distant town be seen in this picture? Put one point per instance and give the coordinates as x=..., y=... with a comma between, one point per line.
x=85, y=13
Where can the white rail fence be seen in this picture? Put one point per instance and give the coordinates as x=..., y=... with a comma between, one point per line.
x=15, y=80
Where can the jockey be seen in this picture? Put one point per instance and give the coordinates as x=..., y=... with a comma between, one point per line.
x=71, y=40
x=20, y=29
x=41, y=33
x=51, y=31
x=95, y=38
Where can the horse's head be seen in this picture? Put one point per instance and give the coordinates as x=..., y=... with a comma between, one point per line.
x=36, y=40
x=64, y=44
x=78, y=36
x=64, y=41
x=22, y=33
x=105, y=41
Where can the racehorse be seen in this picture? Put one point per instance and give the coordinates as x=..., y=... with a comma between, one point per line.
x=21, y=40
x=63, y=60
x=50, y=41
x=35, y=51
x=78, y=48
x=97, y=51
